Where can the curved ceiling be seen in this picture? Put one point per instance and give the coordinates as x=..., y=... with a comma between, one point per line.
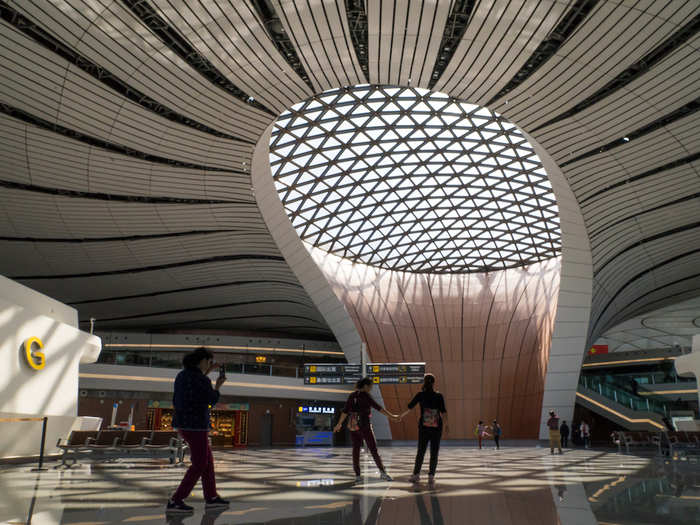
x=128, y=128
x=666, y=327
x=411, y=180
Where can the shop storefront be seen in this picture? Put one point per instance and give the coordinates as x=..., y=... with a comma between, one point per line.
x=229, y=422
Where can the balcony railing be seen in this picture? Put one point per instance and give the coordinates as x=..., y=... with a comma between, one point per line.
x=159, y=359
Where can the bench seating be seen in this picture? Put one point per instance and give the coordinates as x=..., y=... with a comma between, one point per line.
x=683, y=442
x=111, y=445
x=647, y=440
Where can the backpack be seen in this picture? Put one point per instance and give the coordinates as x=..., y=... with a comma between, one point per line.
x=354, y=416
x=431, y=418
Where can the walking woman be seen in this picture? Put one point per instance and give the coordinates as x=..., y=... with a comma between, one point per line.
x=358, y=412
x=192, y=398
x=433, y=416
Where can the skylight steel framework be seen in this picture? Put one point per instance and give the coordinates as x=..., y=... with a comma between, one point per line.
x=410, y=180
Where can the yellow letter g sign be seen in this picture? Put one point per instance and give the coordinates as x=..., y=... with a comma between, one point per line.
x=35, y=359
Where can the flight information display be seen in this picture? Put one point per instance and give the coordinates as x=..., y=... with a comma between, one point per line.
x=349, y=374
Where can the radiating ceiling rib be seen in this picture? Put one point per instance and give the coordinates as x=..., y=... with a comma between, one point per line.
x=319, y=36
x=691, y=229
x=565, y=28
x=358, y=29
x=678, y=114
x=411, y=49
x=275, y=30
x=121, y=149
x=182, y=47
x=78, y=240
x=637, y=157
x=629, y=35
x=120, y=43
x=110, y=196
x=230, y=35
x=488, y=67
x=649, y=173
x=224, y=258
x=40, y=157
x=454, y=28
x=667, y=266
x=111, y=117
x=261, y=292
x=61, y=49
x=642, y=66
x=207, y=289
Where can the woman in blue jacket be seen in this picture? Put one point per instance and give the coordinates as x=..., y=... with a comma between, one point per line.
x=192, y=397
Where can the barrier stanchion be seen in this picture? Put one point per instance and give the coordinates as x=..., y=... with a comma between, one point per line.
x=43, y=443
x=45, y=421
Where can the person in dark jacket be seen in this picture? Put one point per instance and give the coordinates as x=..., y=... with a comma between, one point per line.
x=358, y=411
x=193, y=396
x=564, y=431
x=433, y=415
x=497, y=432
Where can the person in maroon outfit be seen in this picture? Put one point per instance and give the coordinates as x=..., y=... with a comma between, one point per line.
x=192, y=396
x=358, y=410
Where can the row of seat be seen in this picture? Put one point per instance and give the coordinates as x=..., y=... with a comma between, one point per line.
x=671, y=442
x=113, y=444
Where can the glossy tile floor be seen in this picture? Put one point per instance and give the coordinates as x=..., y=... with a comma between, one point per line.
x=314, y=486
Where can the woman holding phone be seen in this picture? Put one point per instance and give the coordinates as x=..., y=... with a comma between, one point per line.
x=192, y=398
x=433, y=416
x=358, y=411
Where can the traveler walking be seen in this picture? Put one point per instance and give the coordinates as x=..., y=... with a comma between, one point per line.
x=481, y=432
x=433, y=418
x=564, y=431
x=192, y=397
x=497, y=431
x=585, y=434
x=358, y=411
x=554, y=435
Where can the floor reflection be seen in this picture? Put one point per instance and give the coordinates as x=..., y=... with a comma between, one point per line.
x=517, y=486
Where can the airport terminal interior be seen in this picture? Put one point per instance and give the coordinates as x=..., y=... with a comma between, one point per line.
x=352, y=262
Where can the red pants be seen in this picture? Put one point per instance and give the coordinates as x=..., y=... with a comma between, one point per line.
x=366, y=434
x=202, y=466
x=480, y=437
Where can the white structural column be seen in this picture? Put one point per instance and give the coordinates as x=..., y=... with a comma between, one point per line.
x=569, y=340
x=304, y=267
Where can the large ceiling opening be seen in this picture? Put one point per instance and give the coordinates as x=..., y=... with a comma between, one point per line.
x=410, y=180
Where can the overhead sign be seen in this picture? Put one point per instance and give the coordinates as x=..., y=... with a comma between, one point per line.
x=379, y=373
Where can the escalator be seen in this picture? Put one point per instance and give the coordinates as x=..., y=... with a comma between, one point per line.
x=617, y=404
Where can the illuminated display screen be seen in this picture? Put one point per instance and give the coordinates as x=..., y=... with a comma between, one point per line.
x=305, y=409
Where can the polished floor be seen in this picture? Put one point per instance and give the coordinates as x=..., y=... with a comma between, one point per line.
x=513, y=486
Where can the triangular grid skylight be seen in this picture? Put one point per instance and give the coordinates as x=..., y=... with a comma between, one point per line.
x=400, y=158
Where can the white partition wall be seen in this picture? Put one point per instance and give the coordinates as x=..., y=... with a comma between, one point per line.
x=41, y=349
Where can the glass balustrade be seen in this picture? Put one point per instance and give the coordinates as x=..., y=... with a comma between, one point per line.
x=174, y=360
x=615, y=392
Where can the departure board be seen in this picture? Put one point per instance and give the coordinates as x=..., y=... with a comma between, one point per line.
x=349, y=374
